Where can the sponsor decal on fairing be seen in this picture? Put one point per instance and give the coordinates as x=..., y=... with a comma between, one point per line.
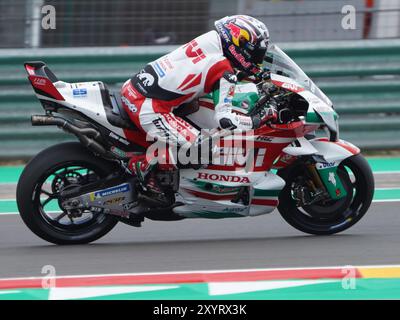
x=81, y=92
x=222, y=177
x=114, y=190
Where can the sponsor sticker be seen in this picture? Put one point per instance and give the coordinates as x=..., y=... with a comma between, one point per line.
x=113, y=190
x=231, y=91
x=239, y=57
x=129, y=104
x=146, y=78
x=82, y=92
x=159, y=70
x=332, y=178
x=39, y=81
x=166, y=64
x=264, y=139
x=114, y=200
x=323, y=165
x=221, y=177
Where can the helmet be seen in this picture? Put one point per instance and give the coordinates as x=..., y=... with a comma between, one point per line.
x=244, y=41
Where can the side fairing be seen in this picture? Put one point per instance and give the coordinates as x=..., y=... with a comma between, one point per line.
x=334, y=151
x=212, y=193
x=85, y=97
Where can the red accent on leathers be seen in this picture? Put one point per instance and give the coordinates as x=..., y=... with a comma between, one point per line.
x=215, y=73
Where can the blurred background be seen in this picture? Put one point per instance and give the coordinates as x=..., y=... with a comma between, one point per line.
x=357, y=67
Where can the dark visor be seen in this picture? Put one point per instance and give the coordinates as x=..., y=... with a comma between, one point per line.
x=259, y=54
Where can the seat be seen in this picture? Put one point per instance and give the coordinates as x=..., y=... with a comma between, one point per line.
x=114, y=109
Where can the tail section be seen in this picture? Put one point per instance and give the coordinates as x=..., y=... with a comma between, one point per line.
x=42, y=81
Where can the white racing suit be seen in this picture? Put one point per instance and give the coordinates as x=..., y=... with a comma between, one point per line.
x=187, y=73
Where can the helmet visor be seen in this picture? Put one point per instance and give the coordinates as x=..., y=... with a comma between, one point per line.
x=259, y=54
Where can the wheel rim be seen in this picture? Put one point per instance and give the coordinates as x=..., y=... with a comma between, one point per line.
x=335, y=214
x=46, y=197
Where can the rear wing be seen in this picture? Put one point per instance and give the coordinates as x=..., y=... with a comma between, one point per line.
x=42, y=81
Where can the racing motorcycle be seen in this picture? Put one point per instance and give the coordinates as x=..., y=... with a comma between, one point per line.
x=76, y=192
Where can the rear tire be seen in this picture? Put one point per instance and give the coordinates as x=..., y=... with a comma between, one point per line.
x=342, y=214
x=29, y=204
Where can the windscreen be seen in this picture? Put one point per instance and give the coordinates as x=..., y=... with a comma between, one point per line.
x=280, y=63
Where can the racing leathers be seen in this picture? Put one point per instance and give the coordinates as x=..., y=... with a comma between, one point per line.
x=185, y=74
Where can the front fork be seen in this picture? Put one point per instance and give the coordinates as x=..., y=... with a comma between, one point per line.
x=319, y=183
x=315, y=182
x=324, y=177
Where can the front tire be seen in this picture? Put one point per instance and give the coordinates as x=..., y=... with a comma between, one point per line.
x=337, y=216
x=60, y=161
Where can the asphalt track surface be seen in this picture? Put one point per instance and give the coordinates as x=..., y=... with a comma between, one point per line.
x=258, y=242
x=198, y=244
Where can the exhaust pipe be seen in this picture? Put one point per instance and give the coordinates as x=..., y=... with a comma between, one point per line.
x=85, y=135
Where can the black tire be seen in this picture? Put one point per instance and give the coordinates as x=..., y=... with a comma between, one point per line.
x=342, y=214
x=70, y=153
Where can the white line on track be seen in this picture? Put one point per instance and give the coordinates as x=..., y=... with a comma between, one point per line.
x=387, y=172
x=208, y=271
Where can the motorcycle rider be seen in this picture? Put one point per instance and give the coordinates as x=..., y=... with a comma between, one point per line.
x=208, y=64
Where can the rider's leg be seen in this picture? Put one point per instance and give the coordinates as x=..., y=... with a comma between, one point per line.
x=163, y=127
x=169, y=133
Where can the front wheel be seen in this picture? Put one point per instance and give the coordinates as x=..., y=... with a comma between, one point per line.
x=329, y=217
x=53, y=170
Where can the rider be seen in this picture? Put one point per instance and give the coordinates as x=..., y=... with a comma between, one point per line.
x=208, y=64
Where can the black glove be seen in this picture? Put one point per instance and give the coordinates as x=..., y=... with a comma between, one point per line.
x=262, y=75
x=264, y=116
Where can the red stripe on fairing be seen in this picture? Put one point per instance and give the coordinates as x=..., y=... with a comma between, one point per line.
x=353, y=150
x=44, y=84
x=209, y=196
x=265, y=202
x=174, y=278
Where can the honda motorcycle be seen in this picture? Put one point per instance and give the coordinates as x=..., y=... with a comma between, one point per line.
x=76, y=192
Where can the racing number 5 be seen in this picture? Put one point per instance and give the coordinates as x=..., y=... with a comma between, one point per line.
x=194, y=52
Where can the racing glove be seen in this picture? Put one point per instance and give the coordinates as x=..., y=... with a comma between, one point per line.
x=265, y=115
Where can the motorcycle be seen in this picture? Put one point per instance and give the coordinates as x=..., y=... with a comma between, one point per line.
x=76, y=192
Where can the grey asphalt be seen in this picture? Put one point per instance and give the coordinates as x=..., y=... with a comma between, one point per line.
x=258, y=242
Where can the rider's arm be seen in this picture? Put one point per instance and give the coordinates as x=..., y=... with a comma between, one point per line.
x=222, y=95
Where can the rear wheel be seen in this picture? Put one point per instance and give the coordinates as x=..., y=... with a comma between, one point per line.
x=53, y=170
x=329, y=217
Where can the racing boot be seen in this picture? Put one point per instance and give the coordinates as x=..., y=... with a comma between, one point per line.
x=144, y=171
x=141, y=168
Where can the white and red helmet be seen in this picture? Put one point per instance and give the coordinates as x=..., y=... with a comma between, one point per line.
x=244, y=40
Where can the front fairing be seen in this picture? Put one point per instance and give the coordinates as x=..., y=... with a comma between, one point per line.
x=287, y=74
